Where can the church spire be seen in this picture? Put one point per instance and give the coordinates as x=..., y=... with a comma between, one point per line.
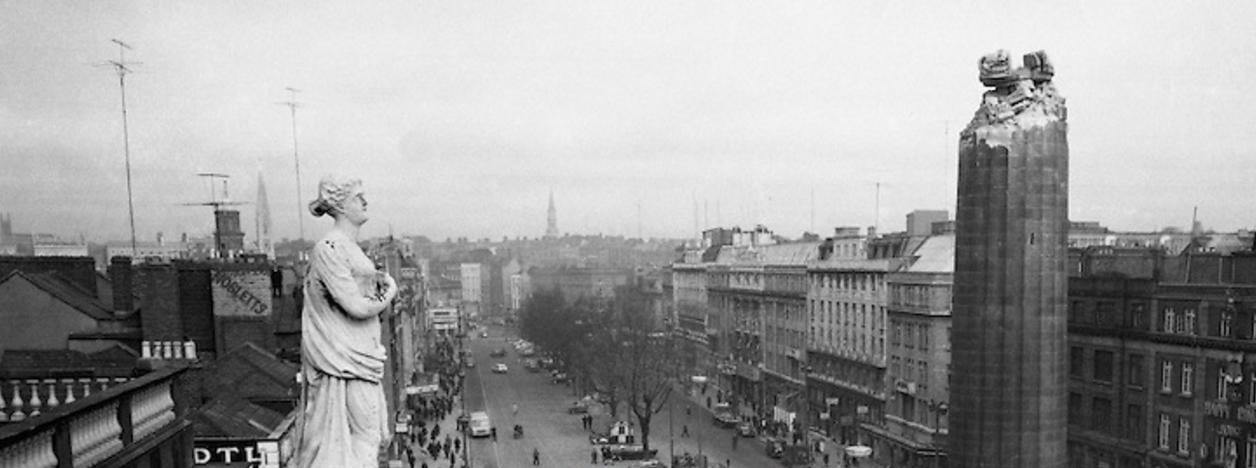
x=551, y=227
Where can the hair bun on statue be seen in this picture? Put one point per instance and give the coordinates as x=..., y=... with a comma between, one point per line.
x=319, y=207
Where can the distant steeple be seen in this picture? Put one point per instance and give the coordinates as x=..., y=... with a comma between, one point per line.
x=262, y=219
x=551, y=227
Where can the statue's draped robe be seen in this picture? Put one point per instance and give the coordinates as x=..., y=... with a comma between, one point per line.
x=345, y=415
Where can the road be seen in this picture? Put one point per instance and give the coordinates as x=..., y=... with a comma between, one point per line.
x=559, y=437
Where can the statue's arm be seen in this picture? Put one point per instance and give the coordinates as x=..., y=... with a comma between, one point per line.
x=333, y=271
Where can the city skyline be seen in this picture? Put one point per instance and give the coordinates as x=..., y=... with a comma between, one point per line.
x=460, y=117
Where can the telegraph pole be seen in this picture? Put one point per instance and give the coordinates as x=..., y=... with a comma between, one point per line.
x=296, y=159
x=121, y=67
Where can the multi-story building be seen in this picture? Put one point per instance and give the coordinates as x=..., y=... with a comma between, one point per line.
x=919, y=349
x=846, y=303
x=1162, y=370
x=757, y=299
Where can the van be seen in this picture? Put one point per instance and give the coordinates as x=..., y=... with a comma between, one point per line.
x=480, y=425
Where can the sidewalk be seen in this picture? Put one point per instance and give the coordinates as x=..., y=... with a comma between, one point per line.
x=832, y=447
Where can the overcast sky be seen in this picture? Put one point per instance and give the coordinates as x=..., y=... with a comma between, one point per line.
x=461, y=116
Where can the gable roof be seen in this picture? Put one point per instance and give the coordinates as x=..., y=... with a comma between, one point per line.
x=252, y=373
x=71, y=294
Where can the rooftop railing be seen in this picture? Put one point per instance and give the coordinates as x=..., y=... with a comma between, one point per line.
x=110, y=425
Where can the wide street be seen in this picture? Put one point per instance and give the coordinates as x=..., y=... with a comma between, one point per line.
x=558, y=436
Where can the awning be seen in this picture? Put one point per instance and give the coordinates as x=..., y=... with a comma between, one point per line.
x=859, y=451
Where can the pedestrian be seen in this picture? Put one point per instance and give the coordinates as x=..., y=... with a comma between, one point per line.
x=536, y=456
x=410, y=457
x=728, y=463
x=826, y=459
x=593, y=455
x=457, y=444
x=684, y=430
x=514, y=409
x=493, y=432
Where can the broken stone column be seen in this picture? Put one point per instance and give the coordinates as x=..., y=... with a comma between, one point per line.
x=1009, y=351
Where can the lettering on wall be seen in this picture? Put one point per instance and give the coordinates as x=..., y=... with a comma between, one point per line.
x=236, y=453
x=241, y=293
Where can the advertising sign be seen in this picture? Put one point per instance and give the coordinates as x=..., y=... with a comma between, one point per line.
x=241, y=293
x=224, y=453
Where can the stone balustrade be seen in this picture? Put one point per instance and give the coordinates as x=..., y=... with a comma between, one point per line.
x=89, y=422
x=26, y=398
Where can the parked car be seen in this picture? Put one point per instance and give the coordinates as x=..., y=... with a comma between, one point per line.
x=500, y=368
x=469, y=361
x=628, y=452
x=746, y=429
x=560, y=377
x=484, y=334
x=774, y=448
x=499, y=352
x=724, y=420
x=578, y=407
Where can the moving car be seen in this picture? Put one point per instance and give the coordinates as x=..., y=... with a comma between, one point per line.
x=469, y=361
x=746, y=429
x=774, y=448
x=480, y=425
x=578, y=407
x=500, y=368
x=499, y=352
x=560, y=377
x=724, y=420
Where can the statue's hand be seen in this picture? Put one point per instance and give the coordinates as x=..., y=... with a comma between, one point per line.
x=390, y=287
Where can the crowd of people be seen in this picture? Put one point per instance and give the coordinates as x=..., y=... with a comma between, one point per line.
x=430, y=410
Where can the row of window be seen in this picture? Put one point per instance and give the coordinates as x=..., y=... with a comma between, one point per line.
x=848, y=281
x=910, y=369
x=1176, y=376
x=909, y=335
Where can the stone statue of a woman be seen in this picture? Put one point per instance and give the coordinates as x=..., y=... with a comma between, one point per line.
x=345, y=419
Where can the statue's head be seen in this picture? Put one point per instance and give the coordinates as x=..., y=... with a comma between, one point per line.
x=339, y=195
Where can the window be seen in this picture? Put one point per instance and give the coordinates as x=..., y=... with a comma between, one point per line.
x=924, y=375
x=924, y=338
x=1136, y=372
x=1251, y=390
x=1163, y=434
x=894, y=334
x=1166, y=376
x=1188, y=325
x=1251, y=452
x=1170, y=320
x=1074, y=409
x=1134, y=422
x=1138, y=317
x=1188, y=371
x=1100, y=413
x=1224, y=328
x=1076, y=362
x=1184, y=435
x=909, y=335
x=1103, y=366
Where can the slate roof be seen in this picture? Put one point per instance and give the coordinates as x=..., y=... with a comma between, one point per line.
x=253, y=374
x=228, y=415
x=71, y=294
x=112, y=361
x=935, y=255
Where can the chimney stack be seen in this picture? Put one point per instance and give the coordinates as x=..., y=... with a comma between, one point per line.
x=123, y=292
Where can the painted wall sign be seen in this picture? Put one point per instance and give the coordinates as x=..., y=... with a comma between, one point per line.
x=241, y=293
